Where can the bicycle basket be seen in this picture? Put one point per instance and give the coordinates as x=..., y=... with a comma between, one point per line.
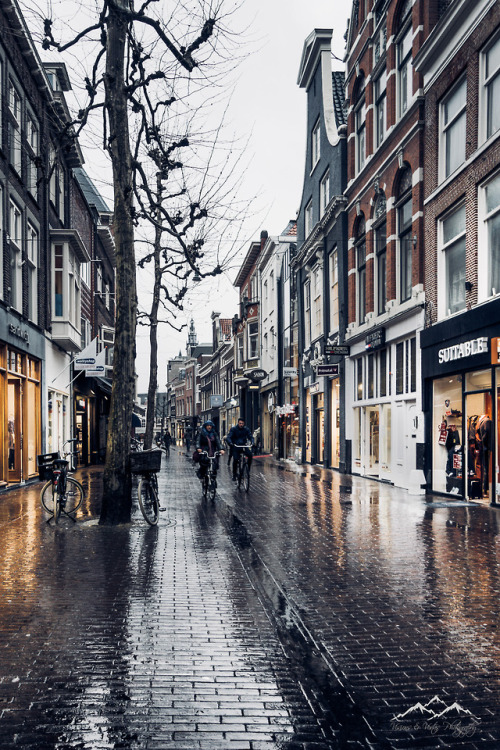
x=144, y=461
x=45, y=463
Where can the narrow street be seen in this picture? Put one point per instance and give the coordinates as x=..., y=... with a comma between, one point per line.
x=318, y=611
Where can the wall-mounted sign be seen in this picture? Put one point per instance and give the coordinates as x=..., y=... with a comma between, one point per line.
x=290, y=372
x=216, y=401
x=315, y=388
x=337, y=351
x=256, y=374
x=21, y=333
x=270, y=402
x=327, y=370
x=375, y=339
x=463, y=350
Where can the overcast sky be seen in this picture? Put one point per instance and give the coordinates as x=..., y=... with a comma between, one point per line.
x=267, y=112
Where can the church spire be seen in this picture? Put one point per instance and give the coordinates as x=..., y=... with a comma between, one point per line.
x=192, y=338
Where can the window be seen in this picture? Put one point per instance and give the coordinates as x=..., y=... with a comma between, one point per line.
x=360, y=117
x=317, y=278
x=32, y=140
x=1, y=243
x=404, y=223
x=315, y=145
x=56, y=185
x=240, y=353
x=379, y=39
x=406, y=366
x=359, y=378
x=14, y=131
x=383, y=372
x=307, y=314
x=107, y=342
x=334, y=291
x=404, y=56
x=16, y=245
x=253, y=340
x=380, y=238
x=308, y=219
x=32, y=250
x=360, y=247
x=491, y=83
x=491, y=196
x=324, y=193
x=58, y=280
x=452, y=241
x=380, y=99
x=452, y=135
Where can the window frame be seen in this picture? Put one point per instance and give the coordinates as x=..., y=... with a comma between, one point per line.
x=404, y=68
x=360, y=133
x=315, y=144
x=444, y=311
x=307, y=313
x=308, y=219
x=334, y=291
x=380, y=106
x=16, y=245
x=487, y=79
x=446, y=129
x=253, y=339
x=324, y=193
x=360, y=260
x=489, y=282
x=32, y=254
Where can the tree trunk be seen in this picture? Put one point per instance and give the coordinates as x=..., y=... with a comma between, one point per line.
x=117, y=489
x=153, y=331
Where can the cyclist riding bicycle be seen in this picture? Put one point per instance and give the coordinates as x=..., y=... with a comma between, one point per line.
x=209, y=442
x=238, y=438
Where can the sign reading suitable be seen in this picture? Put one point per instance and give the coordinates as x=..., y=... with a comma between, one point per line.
x=337, y=351
x=327, y=370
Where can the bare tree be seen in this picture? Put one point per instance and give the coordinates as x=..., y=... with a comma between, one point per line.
x=138, y=48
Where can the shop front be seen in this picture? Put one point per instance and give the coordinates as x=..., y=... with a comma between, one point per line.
x=462, y=410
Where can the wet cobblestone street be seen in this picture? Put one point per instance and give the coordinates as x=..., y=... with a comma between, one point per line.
x=317, y=611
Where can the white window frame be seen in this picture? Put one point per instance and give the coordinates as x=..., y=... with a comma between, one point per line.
x=444, y=310
x=334, y=291
x=33, y=147
x=70, y=285
x=448, y=128
x=489, y=281
x=360, y=133
x=360, y=282
x=32, y=248
x=253, y=339
x=315, y=144
x=107, y=341
x=16, y=250
x=308, y=219
x=307, y=313
x=380, y=101
x=489, y=89
x=404, y=71
x=317, y=318
x=324, y=193
x=15, y=127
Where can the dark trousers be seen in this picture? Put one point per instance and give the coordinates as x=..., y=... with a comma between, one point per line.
x=236, y=454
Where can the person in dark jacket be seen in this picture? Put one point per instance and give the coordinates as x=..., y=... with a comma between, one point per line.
x=209, y=442
x=239, y=435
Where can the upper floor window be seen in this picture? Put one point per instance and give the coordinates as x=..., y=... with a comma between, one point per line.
x=490, y=208
x=324, y=193
x=452, y=262
x=16, y=246
x=405, y=240
x=380, y=98
x=307, y=314
x=380, y=238
x=308, y=219
x=490, y=111
x=1, y=244
x=32, y=246
x=360, y=116
x=334, y=291
x=379, y=41
x=14, y=129
x=253, y=340
x=315, y=145
x=32, y=140
x=404, y=58
x=360, y=246
x=452, y=129
x=317, y=278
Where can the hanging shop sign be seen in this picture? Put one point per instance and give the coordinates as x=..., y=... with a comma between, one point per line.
x=375, y=339
x=285, y=410
x=256, y=374
x=327, y=370
x=337, y=351
x=216, y=400
x=270, y=402
x=316, y=388
x=290, y=372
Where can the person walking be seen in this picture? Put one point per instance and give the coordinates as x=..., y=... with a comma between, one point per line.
x=238, y=439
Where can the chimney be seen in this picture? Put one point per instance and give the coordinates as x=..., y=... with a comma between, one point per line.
x=263, y=237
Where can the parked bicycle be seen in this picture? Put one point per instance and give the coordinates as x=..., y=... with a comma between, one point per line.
x=209, y=480
x=242, y=468
x=146, y=464
x=135, y=445
x=61, y=494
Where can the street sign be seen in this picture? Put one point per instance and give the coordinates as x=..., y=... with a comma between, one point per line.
x=327, y=370
x=290, y=372
x=337, y=351
x=256, y=374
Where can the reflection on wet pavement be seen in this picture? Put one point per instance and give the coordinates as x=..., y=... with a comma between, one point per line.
x=138, y=637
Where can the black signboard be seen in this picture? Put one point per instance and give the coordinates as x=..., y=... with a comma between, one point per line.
x=327, y=370
x=337, y=351
x=375, y=339
x=256, y=374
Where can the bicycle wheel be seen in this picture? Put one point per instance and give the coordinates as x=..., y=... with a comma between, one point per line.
x=246, y=476
x=148, y=500
x=73, y=496
x=212, y=487
x=240, y=473
x=46, y=496
x=204, y=486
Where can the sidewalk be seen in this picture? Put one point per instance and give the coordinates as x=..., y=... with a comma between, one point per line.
x=139, y=637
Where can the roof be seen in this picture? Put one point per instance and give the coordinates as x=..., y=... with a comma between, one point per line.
x=92, y=196
x=290, y=229
x=339, y=105
x=250, y=258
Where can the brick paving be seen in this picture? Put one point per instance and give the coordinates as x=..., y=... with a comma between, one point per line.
x=139, y=637
x=156, y=638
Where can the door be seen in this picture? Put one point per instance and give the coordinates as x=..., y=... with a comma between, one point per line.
x=14, y=429
x=479, y=446
x=373, y=447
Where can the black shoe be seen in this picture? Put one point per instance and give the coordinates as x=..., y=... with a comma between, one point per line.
x=234, y=478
